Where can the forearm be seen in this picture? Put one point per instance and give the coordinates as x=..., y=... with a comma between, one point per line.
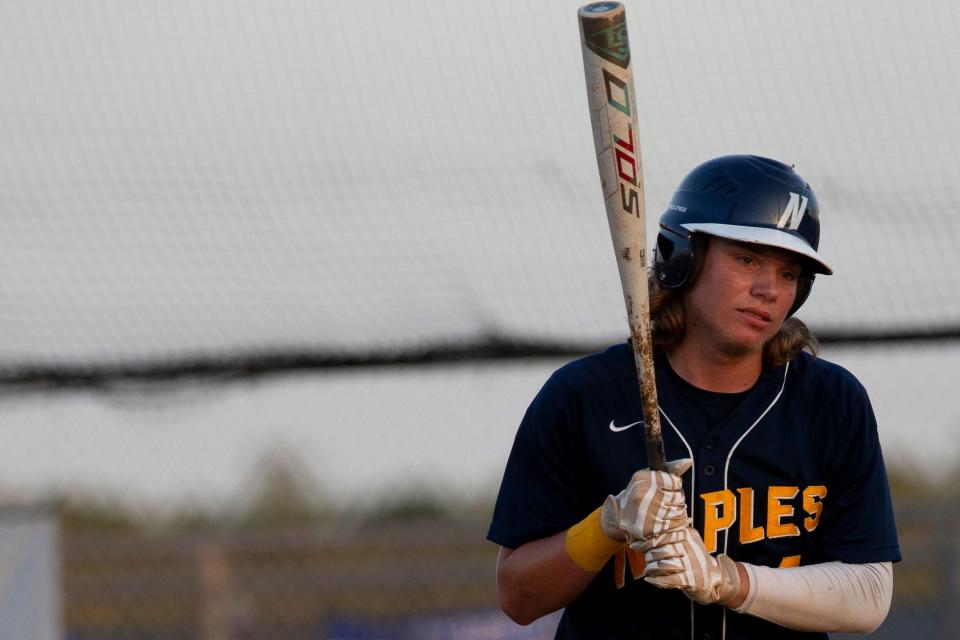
x=544, y=575
x=538, y=578
x=828, y=597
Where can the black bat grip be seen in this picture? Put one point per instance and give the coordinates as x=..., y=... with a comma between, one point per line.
x=656, y=458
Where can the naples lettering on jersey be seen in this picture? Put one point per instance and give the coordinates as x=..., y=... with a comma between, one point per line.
x=735, y=511
x=782, y=521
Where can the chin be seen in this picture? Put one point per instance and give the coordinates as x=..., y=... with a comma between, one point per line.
x=736, y=349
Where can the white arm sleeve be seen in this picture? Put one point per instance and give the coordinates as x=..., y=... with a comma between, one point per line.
x=828, y=597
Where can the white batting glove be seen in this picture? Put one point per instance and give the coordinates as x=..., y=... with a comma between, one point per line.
x=651, y=511
x=687, y=565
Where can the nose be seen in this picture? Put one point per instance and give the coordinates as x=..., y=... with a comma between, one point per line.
x=766, y=284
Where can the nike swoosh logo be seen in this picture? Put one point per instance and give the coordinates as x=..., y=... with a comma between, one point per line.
x=617, y=429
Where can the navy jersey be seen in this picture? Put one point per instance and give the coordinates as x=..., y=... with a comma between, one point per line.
x=792, y=476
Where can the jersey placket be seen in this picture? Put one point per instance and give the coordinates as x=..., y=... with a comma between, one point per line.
x=712, y=448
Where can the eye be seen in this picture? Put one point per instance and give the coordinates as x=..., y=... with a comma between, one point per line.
x=745, y=260
x=789, y=275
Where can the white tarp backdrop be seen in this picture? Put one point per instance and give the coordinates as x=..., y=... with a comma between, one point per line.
x=207, y=177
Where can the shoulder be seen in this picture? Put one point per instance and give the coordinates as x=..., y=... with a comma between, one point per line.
x=611, y=365
x=565, y=392
x=824, y=379
x=832, y=399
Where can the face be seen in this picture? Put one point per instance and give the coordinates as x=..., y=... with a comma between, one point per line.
x=741, y=296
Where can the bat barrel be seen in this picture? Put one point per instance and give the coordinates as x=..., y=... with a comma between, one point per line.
x=613, y=114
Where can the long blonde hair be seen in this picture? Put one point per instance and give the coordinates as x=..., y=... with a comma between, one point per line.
x=670, y=323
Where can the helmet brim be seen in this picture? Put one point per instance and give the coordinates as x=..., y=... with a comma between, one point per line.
x=765, y=236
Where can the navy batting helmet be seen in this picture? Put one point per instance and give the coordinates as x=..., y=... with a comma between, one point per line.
x=744, y=198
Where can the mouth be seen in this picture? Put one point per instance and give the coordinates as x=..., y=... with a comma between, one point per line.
x=755, y=316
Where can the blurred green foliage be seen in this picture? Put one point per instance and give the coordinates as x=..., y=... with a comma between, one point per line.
x=908, y=485
x=283, y=492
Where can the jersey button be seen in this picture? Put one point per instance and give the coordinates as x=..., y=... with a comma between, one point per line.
x=710, y=444
x=709, y=470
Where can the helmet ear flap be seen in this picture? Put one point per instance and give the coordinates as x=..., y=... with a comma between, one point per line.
x=678, y=257
x=665, y=247
x=671, y=258
x=804, y=285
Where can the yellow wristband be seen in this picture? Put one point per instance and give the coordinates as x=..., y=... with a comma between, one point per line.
x=588, y=546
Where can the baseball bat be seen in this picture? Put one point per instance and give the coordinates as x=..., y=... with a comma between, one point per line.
x=613, y=114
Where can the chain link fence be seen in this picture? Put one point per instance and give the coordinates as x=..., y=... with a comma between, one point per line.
x=420, y=581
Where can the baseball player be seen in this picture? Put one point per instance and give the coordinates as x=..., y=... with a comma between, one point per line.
x=774, y=518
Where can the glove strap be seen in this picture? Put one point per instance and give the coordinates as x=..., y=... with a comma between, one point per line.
x=729, y=579
x=588, y=546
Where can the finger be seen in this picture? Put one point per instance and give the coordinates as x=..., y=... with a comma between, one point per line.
x=663, y=582
x=674, y=496
x=674, y=520
x=660, y=479
x=667, y=538
x=650, y=505
x=659, y=569
x=666, y=553
x=669, y=481
x=674, y=503
x=679, y=467
x=698, y=595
